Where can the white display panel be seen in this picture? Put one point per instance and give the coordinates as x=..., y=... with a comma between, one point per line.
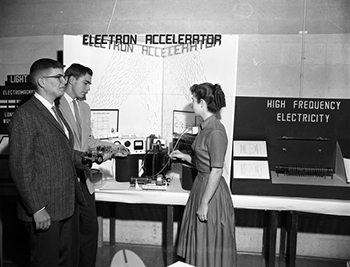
x=147, y=87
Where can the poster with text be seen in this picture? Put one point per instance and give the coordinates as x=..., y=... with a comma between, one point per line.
x=147, y=77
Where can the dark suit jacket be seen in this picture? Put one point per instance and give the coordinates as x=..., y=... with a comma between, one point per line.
x=41, y=163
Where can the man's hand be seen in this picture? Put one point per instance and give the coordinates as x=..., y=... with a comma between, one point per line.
x=119, y=150
x=101, y=154
x=115, y=150
x=42, y=220
x=79, y=161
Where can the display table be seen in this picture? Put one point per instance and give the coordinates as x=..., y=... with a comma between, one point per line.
x=112, y=191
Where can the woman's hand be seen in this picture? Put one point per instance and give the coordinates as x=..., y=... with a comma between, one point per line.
x=177, y=154
x=202, y=212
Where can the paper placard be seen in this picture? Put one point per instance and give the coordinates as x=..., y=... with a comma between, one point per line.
x=251, y=169
x=249, y=149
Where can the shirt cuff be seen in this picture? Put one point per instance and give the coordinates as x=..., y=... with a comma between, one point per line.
x=39, y=210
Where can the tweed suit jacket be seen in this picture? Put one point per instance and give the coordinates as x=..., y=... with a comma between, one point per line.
x=88, y=141
x=41, y=163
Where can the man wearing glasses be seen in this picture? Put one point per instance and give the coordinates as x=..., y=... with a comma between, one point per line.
x=42, y=165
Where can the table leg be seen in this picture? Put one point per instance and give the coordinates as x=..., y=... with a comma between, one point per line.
x=1, y=255
x=269, y=246
x=292, y=239
x=100, y=231
x=111, y=224
x=281, y=258
x=170, y=235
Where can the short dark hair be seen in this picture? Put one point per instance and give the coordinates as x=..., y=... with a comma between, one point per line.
x=77, y=70
x=41, y=65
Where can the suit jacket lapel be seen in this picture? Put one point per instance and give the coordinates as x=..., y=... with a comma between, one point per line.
x=47, y=114
x=70, y=132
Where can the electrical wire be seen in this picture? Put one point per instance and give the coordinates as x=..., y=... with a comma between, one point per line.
x=110, y=19
x=302, y=62
x=174, y=148
x=178, y=140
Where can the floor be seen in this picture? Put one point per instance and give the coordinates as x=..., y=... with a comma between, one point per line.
x=152, y=256
x=123, y=255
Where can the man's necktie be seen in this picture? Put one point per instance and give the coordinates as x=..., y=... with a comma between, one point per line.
x=58, y=118
x=77, y=118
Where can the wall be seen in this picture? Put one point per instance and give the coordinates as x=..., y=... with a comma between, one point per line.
x=57, y=17
x=280, y=66
x=287, y=48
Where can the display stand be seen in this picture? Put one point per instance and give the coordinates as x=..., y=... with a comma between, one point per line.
x=177, y=196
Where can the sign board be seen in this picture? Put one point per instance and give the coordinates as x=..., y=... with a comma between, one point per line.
x=18, y=79
x=305, y=135
x=11, y=97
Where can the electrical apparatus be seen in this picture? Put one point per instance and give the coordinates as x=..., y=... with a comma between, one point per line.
x=156, y=161
x=128, y=167
x=306, y=160
x=188, y=175
x=136, y=145
x=148, y=159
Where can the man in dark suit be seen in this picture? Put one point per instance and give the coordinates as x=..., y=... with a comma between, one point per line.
x=78, y=115
x=42, y=166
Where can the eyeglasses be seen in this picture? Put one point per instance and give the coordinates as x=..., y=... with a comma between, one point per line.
x=60, y=77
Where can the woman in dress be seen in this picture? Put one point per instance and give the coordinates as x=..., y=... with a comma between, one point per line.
x=207, y=234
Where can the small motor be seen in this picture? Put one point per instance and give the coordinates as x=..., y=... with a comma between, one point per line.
x=101, y=154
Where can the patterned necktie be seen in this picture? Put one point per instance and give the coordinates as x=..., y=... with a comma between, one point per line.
x=58, y=118
x=77, y=118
